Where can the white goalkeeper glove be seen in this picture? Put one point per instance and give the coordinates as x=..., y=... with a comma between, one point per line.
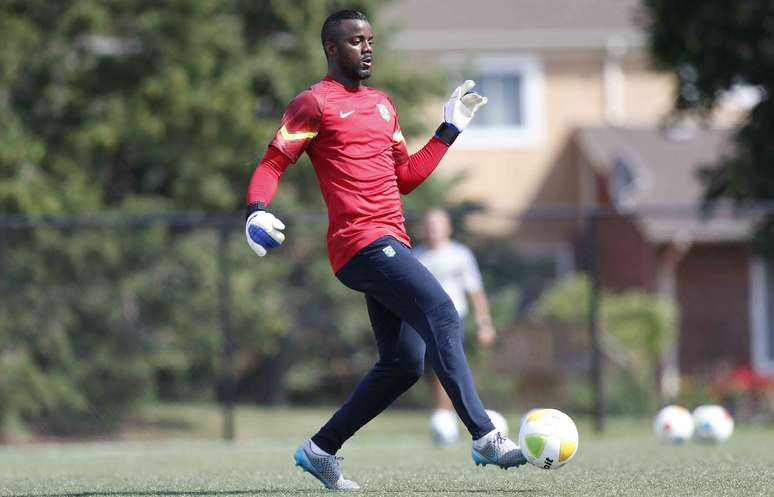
x=264, y=232
x=459, y=110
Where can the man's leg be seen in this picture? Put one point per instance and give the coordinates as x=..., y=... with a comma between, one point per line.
x=395, y=278
x=400, y=365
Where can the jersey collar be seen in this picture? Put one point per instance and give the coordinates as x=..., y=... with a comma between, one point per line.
x=350, y=90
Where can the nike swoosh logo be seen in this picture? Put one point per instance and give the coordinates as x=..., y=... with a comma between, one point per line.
x=346, y=114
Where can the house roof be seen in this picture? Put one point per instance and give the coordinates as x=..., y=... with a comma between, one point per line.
x=661, y=168
x=497, y=24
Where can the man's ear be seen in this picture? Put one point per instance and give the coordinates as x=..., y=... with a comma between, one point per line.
x=330, y=48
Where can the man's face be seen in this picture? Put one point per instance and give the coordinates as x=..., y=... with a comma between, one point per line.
x=437, y=228
x=353, y=48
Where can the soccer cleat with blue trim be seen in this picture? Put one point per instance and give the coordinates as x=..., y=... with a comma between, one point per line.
x=325, y=468
x=497, y=450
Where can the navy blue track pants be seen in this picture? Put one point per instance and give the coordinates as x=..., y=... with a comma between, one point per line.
x=400, y=291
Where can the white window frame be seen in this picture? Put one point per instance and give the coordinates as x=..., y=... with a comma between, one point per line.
x=531, y=133
x=759, y=320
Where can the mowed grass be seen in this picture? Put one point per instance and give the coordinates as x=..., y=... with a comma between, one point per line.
x=391, y=456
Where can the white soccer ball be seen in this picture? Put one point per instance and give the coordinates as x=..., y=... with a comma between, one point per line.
x=498, y=420
x=548, y=438
x=444, y=427
x=713, y=423
x=673, y=424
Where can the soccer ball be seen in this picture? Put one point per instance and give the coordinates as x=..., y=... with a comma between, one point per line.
x=713, y=423
x=443, y=427
x=498, y=421
x=673, y=424
x=548, y=438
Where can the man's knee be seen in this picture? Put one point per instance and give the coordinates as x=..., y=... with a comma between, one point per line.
x=410, y=366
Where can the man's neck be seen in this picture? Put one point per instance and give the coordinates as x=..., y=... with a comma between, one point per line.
x=347, y=81
x=438, y=244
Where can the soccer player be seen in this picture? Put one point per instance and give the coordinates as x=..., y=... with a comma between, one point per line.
x=455, y=267
x=352, y=136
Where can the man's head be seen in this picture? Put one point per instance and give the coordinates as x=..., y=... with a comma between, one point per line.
x=346, y=38
x=437, y=227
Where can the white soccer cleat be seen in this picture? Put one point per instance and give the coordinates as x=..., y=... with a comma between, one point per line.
x=323, y=467
x=493, y=448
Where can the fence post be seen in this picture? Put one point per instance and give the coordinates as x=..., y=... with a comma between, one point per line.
x=592, y=244
x=228, y=382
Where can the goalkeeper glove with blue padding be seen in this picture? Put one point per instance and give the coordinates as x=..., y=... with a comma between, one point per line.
x=264, y=232
x=458, y=111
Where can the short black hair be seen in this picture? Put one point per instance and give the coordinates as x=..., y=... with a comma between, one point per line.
x=330, y=27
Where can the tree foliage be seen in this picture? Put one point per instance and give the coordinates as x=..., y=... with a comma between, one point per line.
x=636, y=330
x=141, y=107
x=713, y=47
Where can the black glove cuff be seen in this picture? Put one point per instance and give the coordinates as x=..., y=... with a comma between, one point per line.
x=254, y=207
x=447, y=133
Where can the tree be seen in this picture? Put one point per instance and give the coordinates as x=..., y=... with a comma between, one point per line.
x=712, y=47
x=142, y=107
x=636, y=330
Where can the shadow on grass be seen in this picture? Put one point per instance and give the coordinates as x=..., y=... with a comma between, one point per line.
x=294, y=491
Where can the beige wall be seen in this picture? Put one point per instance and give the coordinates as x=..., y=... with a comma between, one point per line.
x=511, y=180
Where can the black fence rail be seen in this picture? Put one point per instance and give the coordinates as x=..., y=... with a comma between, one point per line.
x=101, y=312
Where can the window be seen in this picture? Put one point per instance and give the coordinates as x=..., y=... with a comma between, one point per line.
x=514, y=116
x=762, y=315
x=506, y=89
x=626, y=183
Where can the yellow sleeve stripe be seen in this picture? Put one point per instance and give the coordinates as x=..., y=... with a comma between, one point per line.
x=298, y=135
x=397, y=136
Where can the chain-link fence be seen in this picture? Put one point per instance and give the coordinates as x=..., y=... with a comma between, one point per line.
x=100, y=314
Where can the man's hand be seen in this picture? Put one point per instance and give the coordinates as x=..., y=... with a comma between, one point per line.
x=462, y=105
x=486, y=334
x=264, y=232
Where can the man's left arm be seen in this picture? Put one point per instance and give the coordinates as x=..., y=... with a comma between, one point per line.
x=474, y=287
x=485, y=329
x=413, y=169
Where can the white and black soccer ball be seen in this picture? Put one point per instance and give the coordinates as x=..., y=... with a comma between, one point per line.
x=673, y=424
x=713, y=423
x=444, y=427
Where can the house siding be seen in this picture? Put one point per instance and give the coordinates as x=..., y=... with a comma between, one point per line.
x=713, y=293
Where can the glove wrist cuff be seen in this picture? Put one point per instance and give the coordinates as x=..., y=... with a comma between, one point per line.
x=447, y=133
x=254, y=207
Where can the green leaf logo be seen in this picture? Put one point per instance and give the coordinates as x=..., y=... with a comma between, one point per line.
x=535, y=445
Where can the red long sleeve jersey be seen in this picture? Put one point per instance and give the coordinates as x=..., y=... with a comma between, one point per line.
x=356, y=147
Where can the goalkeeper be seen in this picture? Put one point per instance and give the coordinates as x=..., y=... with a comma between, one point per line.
x=352, y=136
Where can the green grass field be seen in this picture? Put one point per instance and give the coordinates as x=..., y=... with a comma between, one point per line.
x=392, y=456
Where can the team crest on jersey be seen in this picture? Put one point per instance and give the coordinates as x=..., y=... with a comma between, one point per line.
x=384, y=111
x=389, y=251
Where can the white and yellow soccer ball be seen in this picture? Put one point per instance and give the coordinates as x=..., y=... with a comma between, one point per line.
x=548, y=438
x=673, y=424
x=499, y=422
x=713, y=423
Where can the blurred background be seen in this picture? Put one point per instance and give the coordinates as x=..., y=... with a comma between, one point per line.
x=617, y=193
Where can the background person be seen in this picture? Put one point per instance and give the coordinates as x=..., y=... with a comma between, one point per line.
x=456, y=269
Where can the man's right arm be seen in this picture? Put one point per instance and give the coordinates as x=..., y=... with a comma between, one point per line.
x=299, y=127
x=263, y=184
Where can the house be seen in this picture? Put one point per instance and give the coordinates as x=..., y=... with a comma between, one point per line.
x=546, y=67
x=654, y=237
x=578, y=118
